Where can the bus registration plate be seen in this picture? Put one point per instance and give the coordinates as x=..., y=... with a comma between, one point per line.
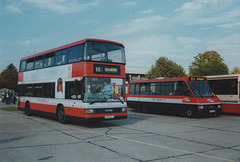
x=109, y=117
x=211, y=111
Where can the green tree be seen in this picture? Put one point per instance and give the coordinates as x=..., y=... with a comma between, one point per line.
x=8, y=77
x=208, y=63
x=165, y=68
x=235, y=70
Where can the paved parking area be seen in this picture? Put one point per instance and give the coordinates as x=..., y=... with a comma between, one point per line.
x=141, y=137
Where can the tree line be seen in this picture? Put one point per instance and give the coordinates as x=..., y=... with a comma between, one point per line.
x=208, y=63
x=9, y=77
x=204, y=64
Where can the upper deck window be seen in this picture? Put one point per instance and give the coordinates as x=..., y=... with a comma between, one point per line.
x=30, y=64
x=105, y=52
x=75, y=53
x=22, y=65
x=38, y=62
x=49, y=60
x=61, y=57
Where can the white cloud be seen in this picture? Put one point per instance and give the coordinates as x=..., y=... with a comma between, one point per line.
x=12, y=9
x=149, y=11
x=130, y=3
x=207, y=12
x=26, y=42
x=143, y=51
x=229, y=25
x=228, y=45
x=228, y=48
x=137, y=25
x=92, y=22
x=189, y=42
x=63, y=6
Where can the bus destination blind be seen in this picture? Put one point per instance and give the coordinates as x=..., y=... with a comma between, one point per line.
x=106, y=69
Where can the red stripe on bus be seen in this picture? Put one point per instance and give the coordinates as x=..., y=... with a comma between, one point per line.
x=70, y=111
x=20, y=77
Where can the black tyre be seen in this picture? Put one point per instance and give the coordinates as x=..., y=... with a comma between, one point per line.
x=189, y=113
x=61, y=115
x=28, y=109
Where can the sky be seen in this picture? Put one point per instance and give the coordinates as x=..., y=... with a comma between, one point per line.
x=149, y=29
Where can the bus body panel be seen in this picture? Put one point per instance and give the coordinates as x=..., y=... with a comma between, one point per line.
x=227, y=88
x=172, y=103
x=231, y=108
x=63, y=70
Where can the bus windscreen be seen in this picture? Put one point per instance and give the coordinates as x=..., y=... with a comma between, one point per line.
x=201, y=89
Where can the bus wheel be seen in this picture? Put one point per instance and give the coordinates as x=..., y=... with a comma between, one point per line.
x=61, y=115
x=28, y=109
x=189, y=113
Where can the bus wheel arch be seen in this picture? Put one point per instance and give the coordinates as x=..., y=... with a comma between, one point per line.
x=61, y=116
x=144, y=108
x=28, y=108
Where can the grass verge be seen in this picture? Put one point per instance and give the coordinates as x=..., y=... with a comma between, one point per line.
x=9, y=108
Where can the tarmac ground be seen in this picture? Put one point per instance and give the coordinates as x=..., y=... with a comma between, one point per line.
x=141, y=137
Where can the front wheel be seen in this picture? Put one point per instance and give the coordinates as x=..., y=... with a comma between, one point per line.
x=61, y=115
x=189, y=113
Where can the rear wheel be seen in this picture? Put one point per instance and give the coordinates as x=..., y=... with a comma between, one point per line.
x=28, y=109
x=61, y=115
x=144, y=109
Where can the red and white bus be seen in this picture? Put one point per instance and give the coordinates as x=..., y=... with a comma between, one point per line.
x=84, y=79
x=227, y=89
x=190, y=96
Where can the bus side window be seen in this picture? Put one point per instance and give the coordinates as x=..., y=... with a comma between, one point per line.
x=49, y=90
x=144, y=89
x=137, y=88
x=38, y=62
x=167, y=88
x=21, y=90
x=28, y=90
x=73, y=90
x=49, y=60
x=61, y=57
x=30, y=64
x=22, y=66
x=37, y=90
x=132, y=89
x=182, y=89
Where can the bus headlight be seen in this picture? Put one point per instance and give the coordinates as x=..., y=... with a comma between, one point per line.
x=219, y=106
x=124, y=109
x=88, y=111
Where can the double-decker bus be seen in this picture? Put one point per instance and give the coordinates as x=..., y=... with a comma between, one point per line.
x=190, y=96
x=227, y=89
x=84, y=79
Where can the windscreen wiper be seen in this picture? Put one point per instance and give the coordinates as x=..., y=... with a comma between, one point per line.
x=117, y=97
x=95, y=102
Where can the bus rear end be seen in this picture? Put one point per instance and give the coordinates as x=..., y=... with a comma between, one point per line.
x=227, y=88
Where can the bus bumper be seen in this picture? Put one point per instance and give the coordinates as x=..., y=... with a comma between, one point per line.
x=206, y=110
